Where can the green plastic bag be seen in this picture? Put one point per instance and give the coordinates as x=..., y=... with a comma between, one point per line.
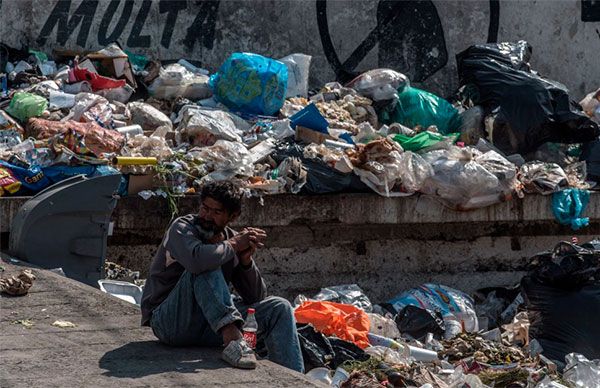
x=25, y=105
x=418, y=107
x=422, y=140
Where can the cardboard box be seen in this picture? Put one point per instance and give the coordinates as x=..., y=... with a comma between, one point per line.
x=309, y=136
x=139, y=183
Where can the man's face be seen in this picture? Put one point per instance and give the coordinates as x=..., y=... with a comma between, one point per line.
x=213, y=216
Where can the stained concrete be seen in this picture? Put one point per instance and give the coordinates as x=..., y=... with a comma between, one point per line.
x=385, y=245
x=108, y=348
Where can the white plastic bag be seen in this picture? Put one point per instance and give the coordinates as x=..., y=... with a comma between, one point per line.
x=379, y=84
x=298, y=66
x=204, y=126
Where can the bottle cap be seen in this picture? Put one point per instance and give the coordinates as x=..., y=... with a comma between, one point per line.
x=251, y=311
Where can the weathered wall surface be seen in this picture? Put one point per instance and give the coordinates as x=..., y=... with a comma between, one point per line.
x=419, y=38
x=385, y=245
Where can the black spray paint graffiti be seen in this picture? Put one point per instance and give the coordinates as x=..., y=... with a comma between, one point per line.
x=201, y=30
x=410, y=37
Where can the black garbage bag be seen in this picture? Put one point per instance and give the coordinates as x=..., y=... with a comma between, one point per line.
x=417, y=322
x=321, y=178
x=321, y=351
x=562, y=297
x=590, y=153
x=528, y=110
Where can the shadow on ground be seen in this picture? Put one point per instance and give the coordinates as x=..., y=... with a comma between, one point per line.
x=138, y=359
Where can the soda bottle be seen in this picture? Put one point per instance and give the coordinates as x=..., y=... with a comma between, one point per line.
x=250, y=328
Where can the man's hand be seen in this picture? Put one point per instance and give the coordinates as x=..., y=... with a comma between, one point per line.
x=246, y=256
x=248, y=238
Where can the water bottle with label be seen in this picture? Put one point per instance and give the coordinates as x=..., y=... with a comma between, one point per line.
x=250, y=328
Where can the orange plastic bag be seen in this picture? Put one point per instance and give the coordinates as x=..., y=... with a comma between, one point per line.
x=342, y=320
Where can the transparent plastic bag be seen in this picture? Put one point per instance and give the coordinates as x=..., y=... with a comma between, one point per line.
x=347, y=294
x=204, y=126
x=224, y=160
x=414, y=171
x=379, y=84
x=582, y=372
x=298, y=66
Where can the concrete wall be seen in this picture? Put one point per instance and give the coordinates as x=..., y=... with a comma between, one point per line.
x=385, y=245
x=420, y=39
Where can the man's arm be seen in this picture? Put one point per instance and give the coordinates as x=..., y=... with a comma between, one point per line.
x=185, y=247
x=248, y=282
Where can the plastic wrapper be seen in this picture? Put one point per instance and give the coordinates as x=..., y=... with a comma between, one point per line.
x=251, y=83
x=26, y=105
x=387, y=355
x=418, y=107
x=44, y=88
x=451, y=303
x=60, y=100
x=582, y=372
x=298, y=66
x=542, y=178
x=15, y=180
x=99, y=140
x=204, y=126
x=379, y=84
x=383, y=326
x=530, y=110
x=568, y=207
x=148, y=117
x=224, y=160
x=347, y=294
x=174, y=81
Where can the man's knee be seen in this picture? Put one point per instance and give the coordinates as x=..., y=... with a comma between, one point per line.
x=279, y=305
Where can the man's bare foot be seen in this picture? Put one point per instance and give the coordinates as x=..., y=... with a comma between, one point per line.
x=230, y=333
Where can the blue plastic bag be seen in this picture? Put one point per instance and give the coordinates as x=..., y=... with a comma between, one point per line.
x=568, y=206
x=250, y=83
x=32, y=179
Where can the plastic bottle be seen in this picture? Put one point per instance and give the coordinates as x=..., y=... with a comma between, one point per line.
x=250, y=328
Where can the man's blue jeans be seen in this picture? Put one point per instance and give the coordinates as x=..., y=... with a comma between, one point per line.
x=200, y=305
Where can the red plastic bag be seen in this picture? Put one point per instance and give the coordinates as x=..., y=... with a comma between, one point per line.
x=97, y=81
x=342, y=320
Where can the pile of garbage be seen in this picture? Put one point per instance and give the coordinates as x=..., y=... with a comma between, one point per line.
x=173, y=126
x=436, y=336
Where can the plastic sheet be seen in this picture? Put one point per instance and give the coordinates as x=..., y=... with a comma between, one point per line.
x=582, y=372
x=347, y=294
x=251, y=83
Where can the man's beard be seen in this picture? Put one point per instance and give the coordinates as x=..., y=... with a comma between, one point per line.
x=209, y=228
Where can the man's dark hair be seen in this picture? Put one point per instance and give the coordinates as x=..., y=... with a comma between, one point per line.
x=227, y=193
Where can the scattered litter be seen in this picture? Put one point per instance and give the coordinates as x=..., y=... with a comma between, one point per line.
x=17, y=285
x=64, y=324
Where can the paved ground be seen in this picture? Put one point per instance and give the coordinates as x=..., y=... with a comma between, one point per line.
x=107, y=348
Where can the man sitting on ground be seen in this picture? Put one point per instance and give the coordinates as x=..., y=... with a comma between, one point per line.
x=187, y=301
